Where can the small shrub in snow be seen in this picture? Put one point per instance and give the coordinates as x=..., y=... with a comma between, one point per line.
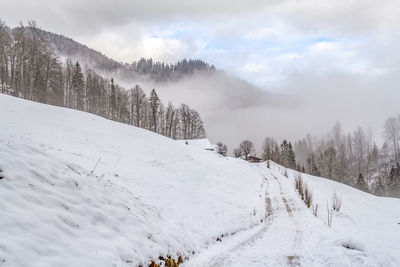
x=329, y=214
x=307, y=196
x=336, y=202
x=299, y=184
x=315, y=210
x=285, y=173
x=303, y=190
x=335, y=207
x=167, y=262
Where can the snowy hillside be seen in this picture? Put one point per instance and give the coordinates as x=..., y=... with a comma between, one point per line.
x=148, y=195
x=80, y=190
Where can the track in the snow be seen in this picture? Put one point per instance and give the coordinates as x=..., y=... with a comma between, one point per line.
x=277, y=205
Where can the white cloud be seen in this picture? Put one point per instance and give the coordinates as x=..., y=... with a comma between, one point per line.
x=323, y=47
x=254, y=68
x=290, y=57
x=262, y=34
x=161, y=46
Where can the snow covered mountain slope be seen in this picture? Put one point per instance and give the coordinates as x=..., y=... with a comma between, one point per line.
x=79, y=190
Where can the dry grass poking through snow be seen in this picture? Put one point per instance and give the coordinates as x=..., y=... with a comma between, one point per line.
x=167, y=262
x=303, y=190
x=336, y=202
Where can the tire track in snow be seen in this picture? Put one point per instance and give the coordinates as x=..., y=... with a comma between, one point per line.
x=279, y=209
x=288, y=209
x=282, y=240
x=292, y=260
x=216, y=255
x=268, y=218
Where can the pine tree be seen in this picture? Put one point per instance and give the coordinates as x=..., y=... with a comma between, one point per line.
x=379, y=189
x=394, y=180
x=361, y=184
x=291, y=156
x=285, y=153
x=154, y=102
x=77, y=84
x=315, y=171
x=113, y=100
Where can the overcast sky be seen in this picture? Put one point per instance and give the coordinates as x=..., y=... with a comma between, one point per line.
x=261, y=41
x=345, y=52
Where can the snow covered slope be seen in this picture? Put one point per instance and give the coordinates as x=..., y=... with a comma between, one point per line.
x=79, y=190
x=147, y=196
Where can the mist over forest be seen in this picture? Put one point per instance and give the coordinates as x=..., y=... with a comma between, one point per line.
x=230, y=106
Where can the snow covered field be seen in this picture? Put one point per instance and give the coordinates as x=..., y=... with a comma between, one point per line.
x=79, y=190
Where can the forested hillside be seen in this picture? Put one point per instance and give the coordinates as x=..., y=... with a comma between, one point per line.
x=31, y=68
x=350, y=158
x=141, y=70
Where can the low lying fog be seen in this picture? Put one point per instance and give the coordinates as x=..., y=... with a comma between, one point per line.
x=234, y=110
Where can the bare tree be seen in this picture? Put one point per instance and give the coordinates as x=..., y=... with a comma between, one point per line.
x=237, y=152
x=191, y=124
x=5, y=48
x=392, y=135
x=268, y=149
x=330, y=159
x=138, y=99
x=360, y=148
x=247, y=147
x=172, y=121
